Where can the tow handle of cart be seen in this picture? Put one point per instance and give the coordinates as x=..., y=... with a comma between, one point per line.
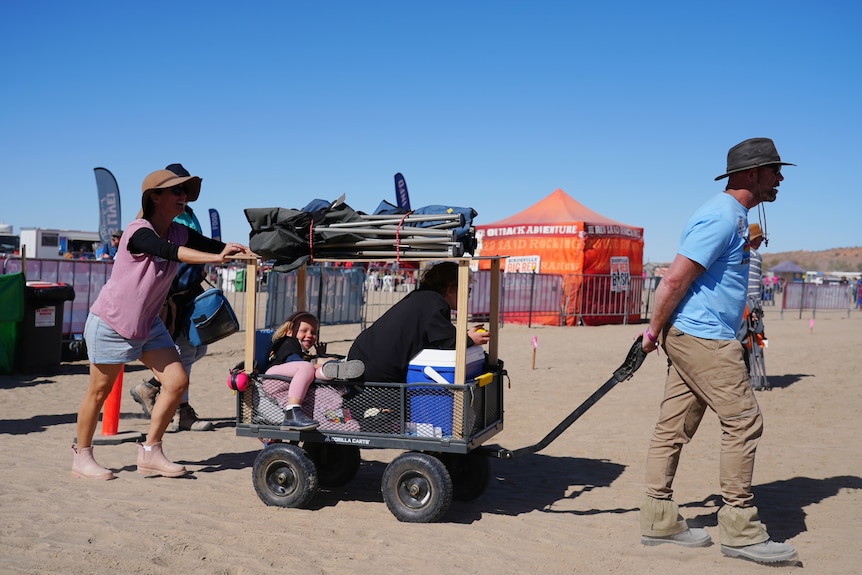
x=633, y=361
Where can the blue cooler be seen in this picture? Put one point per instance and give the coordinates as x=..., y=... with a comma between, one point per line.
x=431, y=408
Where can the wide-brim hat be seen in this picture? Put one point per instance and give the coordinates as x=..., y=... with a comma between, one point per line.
x=752, y=153
x=165, y=179
x=754, y=232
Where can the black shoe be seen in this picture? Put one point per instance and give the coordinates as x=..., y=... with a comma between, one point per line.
x=295, y=420
x=351, y=391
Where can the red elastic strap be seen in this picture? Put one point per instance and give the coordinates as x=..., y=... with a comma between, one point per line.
x=398, y=238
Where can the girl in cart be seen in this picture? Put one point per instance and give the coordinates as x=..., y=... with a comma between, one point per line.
x=289, y=357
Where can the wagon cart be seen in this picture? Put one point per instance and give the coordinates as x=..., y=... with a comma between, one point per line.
x=442, y=427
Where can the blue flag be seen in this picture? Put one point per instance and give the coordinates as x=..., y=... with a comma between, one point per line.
x=215, y=225
x=109, y=204
x=401, y=195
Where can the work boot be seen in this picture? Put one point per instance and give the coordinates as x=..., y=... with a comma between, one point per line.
x=185, y=419
x=85, y=467
x=692, y=537
x=343, y=370
x=154, y=462
x=767, y=552
x=295, y=420
x=145, y=393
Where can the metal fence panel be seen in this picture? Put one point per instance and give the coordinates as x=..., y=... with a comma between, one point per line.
x=817, y=297
x=604, y=299
x=334, y=295
x=524, y=298
x=573, y=299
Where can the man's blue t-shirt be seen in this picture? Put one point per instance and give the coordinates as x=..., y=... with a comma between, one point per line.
x=716, y=237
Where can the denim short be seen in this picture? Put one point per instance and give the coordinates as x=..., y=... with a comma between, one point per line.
x=106, y=346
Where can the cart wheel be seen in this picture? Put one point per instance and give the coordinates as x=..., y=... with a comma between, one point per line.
x=283, y=475
x=336, y=464
x=471, y=474
x=417, y=488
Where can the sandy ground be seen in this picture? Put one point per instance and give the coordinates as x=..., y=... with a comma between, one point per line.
x=571, y=508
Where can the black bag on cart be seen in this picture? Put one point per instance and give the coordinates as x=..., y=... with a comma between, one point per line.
x=288, y=236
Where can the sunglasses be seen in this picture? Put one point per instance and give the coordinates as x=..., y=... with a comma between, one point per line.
x=776, y=169
x=176, y=190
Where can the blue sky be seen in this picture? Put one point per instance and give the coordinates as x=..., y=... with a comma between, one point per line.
x=630, y=107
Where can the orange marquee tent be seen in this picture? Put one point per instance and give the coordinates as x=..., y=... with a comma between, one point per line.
x=559, y=235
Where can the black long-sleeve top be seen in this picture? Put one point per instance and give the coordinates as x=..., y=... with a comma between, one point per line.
x=145, y=240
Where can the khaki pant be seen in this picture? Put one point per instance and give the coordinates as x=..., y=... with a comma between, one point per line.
x=705, y=373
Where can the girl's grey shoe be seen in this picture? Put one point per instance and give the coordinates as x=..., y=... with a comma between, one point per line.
x=344, y=369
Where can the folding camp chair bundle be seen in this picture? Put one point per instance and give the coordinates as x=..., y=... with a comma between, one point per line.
x=336, y=231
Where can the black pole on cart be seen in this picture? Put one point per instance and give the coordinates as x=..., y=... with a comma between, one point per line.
x=633, y=361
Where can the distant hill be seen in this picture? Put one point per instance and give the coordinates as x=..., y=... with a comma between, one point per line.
x=831, y=260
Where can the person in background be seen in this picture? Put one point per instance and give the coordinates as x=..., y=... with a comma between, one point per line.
x=752, y=332
x=184, y=289
x=755, y=264
x=289, y=357
x=109, y=252
x=421, y=320
x=698, y=310
x=124, y=325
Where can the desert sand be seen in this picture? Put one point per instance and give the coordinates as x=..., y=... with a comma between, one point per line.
x=572, y=508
